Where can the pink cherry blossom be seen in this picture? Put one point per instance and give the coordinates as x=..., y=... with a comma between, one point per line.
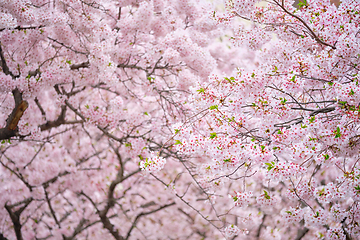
x=179, y=119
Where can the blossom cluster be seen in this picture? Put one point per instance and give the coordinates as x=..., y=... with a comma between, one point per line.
x=231, y=231
x=315, y=218
x=283, y=170
x=242, y=199
x=153, y=163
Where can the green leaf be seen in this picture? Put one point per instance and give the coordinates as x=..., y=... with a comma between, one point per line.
x=212, y=135
x=177, y=131
x=253, y=75
x=292, y=79
x=351, y=92
x=270, y=165
x=312, y=119
x=177, y=142
x=337, y=133
x=151, y=79
x=213, y=107
x=302, y=3
x=146, y=113
x=201, y=90
x=266, y=195
x=232, y=119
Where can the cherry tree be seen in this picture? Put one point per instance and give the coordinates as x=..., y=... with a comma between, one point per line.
x=90, y=91
x=124, y=120
x=275, y=144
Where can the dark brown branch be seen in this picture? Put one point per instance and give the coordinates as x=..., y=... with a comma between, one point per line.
x=16, y=114
x=6, y=133
x=313, y=35
x=119, y=14
x=80, y=65
x=116, y=150
x=144, y=214
x=40, y=107
x=261, y=226
x=322, y=110
x=15, y=216
x=78, y=229
x=109, y=226
x=59, y=121
x=111, y=202
x=51, y=208
x=75, y=110
x=2, y=237
x=13, y=119
x=301, y=233
x=23, y=28
x=70, y=48
x=4, y=66
x=20, y=106
x=130, y=66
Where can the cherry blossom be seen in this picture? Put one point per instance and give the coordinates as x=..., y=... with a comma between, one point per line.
x=161, y=119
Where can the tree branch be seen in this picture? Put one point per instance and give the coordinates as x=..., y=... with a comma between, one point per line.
x=59, y=121
x=4, y=66
x=144, y=214
x=13, y=119
x=15, y=216
x=305, y=25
